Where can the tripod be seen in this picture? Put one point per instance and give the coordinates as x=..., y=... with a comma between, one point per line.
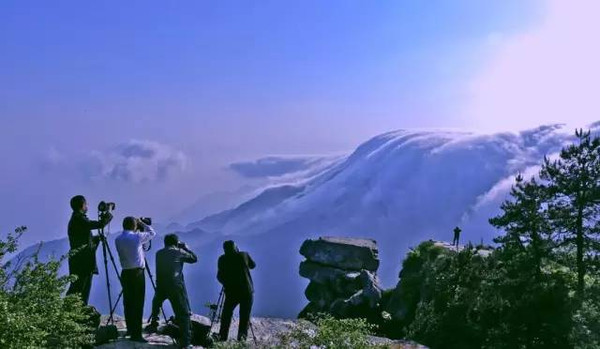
x=147, y=268
x=106, y=251
x=216, y=310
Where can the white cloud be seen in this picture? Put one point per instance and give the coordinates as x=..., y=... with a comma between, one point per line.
x=549, y=74
x=52, y=158
x=135, y=161
x=272, y=166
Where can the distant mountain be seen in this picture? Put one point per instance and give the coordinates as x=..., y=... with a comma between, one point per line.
x=212, y=203
x=398, y=188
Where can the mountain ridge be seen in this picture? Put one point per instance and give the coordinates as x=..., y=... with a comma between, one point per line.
x=398, y=188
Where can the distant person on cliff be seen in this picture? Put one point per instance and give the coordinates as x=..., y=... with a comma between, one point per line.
x=171, y=285
x=456, y=236
x=82, y=260
x=234, y=274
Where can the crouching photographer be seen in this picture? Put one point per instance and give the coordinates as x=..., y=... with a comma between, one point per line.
x=170, y=285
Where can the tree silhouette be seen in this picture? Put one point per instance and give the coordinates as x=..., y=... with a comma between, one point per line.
x=524, y=218
x=574, y=200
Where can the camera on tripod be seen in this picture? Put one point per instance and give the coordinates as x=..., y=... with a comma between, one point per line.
x=104, y=207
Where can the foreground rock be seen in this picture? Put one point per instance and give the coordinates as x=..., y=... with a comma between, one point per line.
x=342, y=253
x=267, y=331
x=343, y=279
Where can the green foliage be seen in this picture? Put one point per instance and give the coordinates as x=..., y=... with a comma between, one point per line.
x=324, y=332
x=449, y=306
x=540, y=288
x=33, y=313
x=330, y=333
x=586, y=327
x=573, y=204
x=472, y=300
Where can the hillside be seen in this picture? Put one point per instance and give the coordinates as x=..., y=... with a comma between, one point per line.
x=398, y=188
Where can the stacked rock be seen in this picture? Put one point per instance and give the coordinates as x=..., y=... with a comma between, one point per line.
x=343, y=279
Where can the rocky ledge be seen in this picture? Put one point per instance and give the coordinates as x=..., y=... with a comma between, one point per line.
x=266, y=330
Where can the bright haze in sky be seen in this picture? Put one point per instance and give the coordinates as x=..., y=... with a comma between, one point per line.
x=147, y=103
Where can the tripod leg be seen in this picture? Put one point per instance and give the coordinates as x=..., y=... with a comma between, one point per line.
x=114, y=308
x=253, y=335
x=215, y=312
x=110, y=304
x=112, y=260
x=220, y=305
x=153, y=286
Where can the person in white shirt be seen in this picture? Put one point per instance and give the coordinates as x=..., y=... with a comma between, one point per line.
x=130, y=246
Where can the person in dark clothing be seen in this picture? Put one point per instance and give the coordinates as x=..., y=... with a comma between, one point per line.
x=234, y=274
x=456, y=236
x=82, y=260
x=170, y=285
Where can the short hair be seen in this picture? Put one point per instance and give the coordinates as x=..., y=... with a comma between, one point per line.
x=229, y=246
x=77, y=202
x=129, y=223
x=171, y=239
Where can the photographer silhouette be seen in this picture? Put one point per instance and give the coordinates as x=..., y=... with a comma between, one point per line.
x=82, y=263
x=170, y=285
x=130, y=246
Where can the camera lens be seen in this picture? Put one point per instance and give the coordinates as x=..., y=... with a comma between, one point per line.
x=106, y=206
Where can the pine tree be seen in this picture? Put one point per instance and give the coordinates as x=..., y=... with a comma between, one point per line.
x=524, y=219
x=574, y=205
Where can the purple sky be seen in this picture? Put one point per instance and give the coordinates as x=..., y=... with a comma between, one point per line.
x=147, y=103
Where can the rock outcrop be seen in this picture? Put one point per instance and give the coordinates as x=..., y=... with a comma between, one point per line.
x=267, y=330
x=162, y=338
x=401, y=302
x=343, y=277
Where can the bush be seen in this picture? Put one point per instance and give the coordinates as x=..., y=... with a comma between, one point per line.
x=468, y=300
x=330, y=333
x=33, y=312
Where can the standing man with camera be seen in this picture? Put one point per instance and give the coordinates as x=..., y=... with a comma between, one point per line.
x=170, y=285
x=82, y=259
x=234, y=274
x=130, y=246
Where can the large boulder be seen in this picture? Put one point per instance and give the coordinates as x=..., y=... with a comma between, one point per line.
x=371, y=290
x=320, y=294
x=343, y=277
x=339, y=281
x=342, y=253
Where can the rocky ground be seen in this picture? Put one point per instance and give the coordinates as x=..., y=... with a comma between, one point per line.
x=266, y=330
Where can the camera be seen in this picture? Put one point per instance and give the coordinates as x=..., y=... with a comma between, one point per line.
x=181, y=244
x=106, y=206
x=146, y=220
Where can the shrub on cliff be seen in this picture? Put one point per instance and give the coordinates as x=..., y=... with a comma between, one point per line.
x=33, y=312
x=330, y=333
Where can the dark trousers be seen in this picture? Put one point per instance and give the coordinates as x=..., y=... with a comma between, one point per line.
x=232, y=301
x=81, y=286
x=134, y=289
x=455, y=241
x=177, y=296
